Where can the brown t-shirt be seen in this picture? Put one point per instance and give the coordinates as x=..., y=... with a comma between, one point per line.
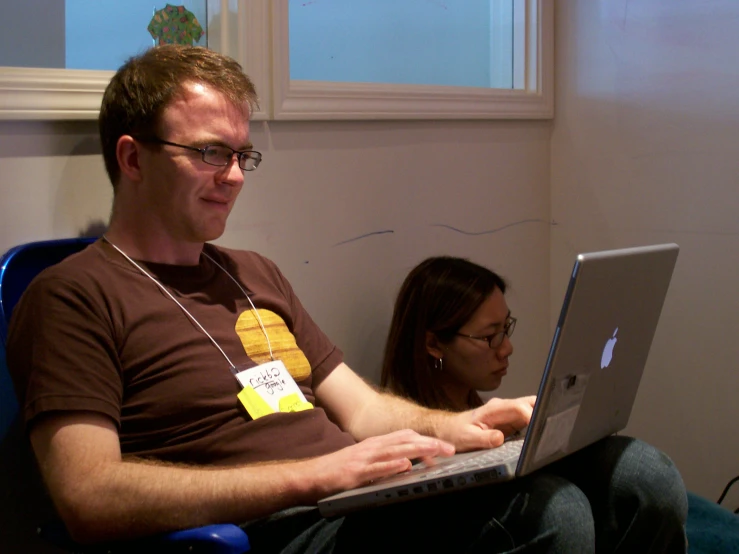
x=94, y=334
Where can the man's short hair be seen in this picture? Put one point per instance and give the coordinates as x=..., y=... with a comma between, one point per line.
x=146, y=84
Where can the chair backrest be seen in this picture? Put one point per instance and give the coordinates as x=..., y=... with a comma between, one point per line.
x=20, y=486
x=22, y=263
x=18, y=267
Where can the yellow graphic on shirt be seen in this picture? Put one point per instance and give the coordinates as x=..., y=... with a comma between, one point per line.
x=282, y=340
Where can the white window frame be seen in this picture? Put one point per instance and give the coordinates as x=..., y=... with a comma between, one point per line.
x=296, y=99
x=258, y=38
x=28, y=93
x=36, y=93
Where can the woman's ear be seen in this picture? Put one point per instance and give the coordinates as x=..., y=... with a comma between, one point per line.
x=433, y=346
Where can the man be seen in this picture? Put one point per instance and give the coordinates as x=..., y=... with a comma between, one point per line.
x=125, y=358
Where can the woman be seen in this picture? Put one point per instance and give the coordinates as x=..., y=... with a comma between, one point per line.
x=449, y=336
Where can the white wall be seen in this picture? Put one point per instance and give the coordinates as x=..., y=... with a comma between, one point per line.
x=645, y=149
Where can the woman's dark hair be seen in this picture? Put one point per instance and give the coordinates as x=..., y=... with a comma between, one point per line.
x=439, y=295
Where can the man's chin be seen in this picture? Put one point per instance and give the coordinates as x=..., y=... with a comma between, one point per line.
x=211, y=233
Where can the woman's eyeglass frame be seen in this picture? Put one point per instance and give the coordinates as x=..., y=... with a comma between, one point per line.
x=496, y=339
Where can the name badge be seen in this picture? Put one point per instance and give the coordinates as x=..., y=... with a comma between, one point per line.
x=269, y=388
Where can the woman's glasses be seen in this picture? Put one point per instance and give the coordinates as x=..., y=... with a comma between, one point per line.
x=495, y=340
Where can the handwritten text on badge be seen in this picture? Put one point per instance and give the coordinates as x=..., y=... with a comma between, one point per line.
x=269, y=379
x=268, y=387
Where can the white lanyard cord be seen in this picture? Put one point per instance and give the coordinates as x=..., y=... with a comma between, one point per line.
x=254, y=309
x=164, y=289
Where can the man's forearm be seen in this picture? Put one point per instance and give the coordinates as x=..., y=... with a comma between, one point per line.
x=127, y=498
x=101, y=496
x=386, y=413
x=364, y=411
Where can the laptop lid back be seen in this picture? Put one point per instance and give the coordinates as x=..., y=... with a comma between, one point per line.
x=599, y=349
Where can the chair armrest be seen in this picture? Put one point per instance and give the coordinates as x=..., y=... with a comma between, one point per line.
x=210, y=539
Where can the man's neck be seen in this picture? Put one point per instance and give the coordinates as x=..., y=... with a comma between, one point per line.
x=154, y=248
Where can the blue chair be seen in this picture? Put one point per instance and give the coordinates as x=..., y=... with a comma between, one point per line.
x=18, y=267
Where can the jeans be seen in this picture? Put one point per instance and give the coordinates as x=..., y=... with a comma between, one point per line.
x=619, y=495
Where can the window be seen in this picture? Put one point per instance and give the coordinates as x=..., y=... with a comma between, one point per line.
x=413, y=42
x=124, y=28
x=487, y=59
x=64, y=75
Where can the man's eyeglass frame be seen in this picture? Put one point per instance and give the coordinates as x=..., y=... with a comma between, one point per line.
x=496, y=339
x=244, y=156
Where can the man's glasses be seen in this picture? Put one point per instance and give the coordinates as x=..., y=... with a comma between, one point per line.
x=215, y=154
x=495, y=340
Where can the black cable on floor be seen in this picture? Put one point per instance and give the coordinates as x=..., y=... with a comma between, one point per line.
x=726, y=490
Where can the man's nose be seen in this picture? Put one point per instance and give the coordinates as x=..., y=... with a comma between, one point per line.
x=233, y=174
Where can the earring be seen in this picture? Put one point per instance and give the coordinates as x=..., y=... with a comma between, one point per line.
x=439, y=364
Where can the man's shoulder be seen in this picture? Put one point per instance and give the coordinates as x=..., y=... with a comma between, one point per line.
x=75, y=285
x=81, y=265
x=78, y=263
x=84, y=271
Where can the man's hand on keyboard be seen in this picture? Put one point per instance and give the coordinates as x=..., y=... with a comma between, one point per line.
x=488, y=425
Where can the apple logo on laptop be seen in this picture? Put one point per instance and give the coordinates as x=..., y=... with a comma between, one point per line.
x=607, y=355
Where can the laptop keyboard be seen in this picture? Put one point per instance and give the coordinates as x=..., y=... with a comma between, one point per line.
x=510, y=450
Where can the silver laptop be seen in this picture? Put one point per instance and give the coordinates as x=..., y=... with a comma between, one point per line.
x=600, y=346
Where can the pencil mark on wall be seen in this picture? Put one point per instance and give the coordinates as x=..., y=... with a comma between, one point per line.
x=364, y=236
x=625, y=18
x=491, y=231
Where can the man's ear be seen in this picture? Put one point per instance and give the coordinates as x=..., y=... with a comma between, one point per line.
x=127, y=152
x=433, y=346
